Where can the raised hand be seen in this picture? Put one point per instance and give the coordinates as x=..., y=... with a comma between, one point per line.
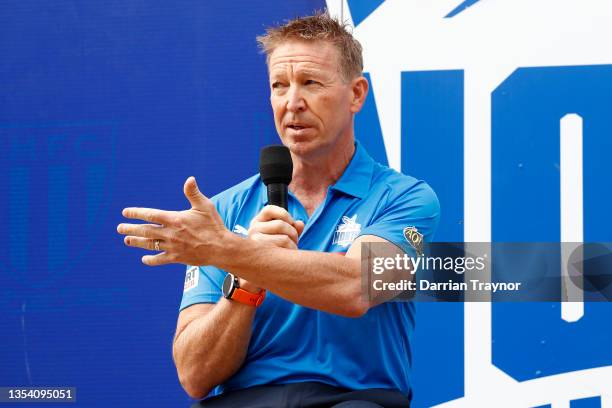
x=191, y=237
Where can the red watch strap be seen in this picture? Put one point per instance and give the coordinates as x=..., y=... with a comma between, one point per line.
x=248, y=298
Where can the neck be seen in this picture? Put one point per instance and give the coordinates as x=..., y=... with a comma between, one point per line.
x=314, y=174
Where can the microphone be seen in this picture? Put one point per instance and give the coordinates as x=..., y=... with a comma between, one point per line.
x=276, y=170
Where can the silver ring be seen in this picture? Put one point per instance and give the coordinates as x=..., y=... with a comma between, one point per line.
x=157, y=245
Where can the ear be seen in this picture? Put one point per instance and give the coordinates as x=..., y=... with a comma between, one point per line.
x=359, y=88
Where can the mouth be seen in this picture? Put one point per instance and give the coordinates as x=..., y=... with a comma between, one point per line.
x=297, y=126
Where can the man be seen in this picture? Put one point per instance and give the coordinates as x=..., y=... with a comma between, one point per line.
x=297, y=330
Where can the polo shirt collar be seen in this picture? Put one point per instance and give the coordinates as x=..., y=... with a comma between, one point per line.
x=357, y=176
x=355, y=180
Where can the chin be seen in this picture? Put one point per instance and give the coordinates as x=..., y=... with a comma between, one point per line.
x=302, y=147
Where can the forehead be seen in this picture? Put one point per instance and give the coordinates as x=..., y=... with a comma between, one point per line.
x=318, y=55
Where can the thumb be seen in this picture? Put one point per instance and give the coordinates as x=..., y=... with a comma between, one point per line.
x=193, y=194
x=299, y=226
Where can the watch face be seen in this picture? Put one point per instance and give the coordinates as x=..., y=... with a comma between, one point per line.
x=228, y=285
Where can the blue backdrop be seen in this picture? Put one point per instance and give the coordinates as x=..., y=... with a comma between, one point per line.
x=105, y=105
x=111, y=104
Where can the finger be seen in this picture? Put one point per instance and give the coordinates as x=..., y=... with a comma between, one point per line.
x=144, y=243
x=197, y=200
x=142, y=230
x=275, y=227
x=159, y=259
x=273, y=212
x=282, y=241
x=299, y=226
x=148, y=214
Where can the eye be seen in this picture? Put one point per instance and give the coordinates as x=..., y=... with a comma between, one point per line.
x=276, y=85
x=311, y=82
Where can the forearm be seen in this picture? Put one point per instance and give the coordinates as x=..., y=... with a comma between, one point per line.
x=323, y=281
x=212, y=348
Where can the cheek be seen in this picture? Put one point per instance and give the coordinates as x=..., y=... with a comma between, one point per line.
x=277, y=109
x=324, y=107
x=331, y=108
x=277, y=113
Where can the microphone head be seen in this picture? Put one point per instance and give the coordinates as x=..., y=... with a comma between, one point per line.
x=275, y=164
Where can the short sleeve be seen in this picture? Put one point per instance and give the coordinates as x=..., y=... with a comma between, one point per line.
x=202, y=285
x=407, y=217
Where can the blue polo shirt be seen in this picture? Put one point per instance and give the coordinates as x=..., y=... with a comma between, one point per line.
x=291, y=343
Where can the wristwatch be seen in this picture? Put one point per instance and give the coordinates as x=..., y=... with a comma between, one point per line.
x=232, y=290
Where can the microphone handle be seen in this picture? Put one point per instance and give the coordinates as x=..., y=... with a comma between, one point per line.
x=277, y=195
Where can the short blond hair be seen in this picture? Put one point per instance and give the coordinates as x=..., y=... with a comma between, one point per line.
x=318, y=27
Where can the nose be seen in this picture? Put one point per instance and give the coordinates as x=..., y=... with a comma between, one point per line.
x=295, y=100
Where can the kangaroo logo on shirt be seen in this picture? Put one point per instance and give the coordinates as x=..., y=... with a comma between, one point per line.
x=347, y=231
